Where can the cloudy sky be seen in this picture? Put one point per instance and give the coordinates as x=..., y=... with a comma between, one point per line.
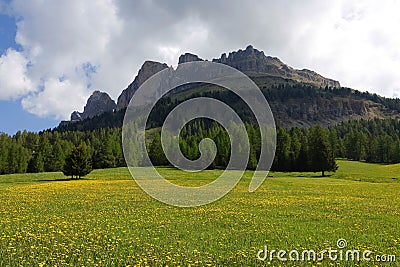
x=54, y=53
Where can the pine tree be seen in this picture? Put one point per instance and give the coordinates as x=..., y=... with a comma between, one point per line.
x=223, y=147
x=295, y=148
x=78, y=163
x=4, y=141
x=36, y=164
x=104, y=157
x=320, y=150
x=58, y=156
x=255, y=146
x=22, y=158
x=282, y=152
x=46, y=150
x=208, y=152
x=12, y=163
x=303, y=162
x=156, y=152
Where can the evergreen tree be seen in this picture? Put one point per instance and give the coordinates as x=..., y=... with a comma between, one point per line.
x=295, y=148
x=208, y=152
x=303, y=162
x=320, y=151
x=12, y=163
x=22, y=159
x=117, y=149
x=4, y=141
x=156, y=152
x=335, y=143
x=104, y=157
x=58, y=156
x=282, y=152
x=36, y=164
x=223, y=148
x=78, y=162
x=255, y=146
x=45, y=150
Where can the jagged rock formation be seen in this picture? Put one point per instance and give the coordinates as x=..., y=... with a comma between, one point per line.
x=188, y=57
x=98, y=103
x=327, y=112
x=76, y=116
x=148, y=69
x=265, y=71
x=251, y=61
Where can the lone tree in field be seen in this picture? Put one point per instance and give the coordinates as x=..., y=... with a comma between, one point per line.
x=321, y=154
x=78, y=163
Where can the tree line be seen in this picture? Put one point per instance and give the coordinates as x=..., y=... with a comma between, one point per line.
x=47, y=151
x=297, y=149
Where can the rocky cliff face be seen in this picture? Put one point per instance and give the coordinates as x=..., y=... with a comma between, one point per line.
x=98, y=103
x=188, y=57
x=265, y=71
x=148, y=69
x=251, y=61
x=326, y=112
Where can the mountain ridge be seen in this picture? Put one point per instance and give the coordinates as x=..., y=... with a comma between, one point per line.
x=249, y=61
x=252, y=60
x=323, y=101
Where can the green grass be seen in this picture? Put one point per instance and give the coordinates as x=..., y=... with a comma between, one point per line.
x=375, y=173
x=107, y=220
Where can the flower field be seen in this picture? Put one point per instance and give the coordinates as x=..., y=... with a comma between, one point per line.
x=107, y=220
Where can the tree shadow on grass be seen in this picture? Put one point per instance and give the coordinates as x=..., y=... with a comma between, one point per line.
x=325, y=176
x=313, y=175
x=62, y=180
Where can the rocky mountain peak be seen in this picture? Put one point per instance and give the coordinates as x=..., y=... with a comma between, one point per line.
x=148, y=69
x=250, y=51
x=253, y=61
x=249, y=60
x=98, y=103
x=188, y=57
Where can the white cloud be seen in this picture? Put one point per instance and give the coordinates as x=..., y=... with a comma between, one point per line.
x=58, y=98
x=355, y=42
x=13, y=79
x=59, y=39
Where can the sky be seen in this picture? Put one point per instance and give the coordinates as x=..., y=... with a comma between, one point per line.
x=54, y=54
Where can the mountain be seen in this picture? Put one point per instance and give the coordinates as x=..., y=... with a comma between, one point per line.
x=188, y=57
x=296, y=97
x=252, y=61
x=148, y=69
x=97, y=104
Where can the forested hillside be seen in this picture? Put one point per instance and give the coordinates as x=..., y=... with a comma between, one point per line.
x=368, y=140
x=292, y=104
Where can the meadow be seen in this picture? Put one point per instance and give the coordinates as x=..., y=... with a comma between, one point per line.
x=105, y=219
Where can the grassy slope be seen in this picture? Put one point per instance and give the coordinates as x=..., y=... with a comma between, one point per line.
x=107, y=220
